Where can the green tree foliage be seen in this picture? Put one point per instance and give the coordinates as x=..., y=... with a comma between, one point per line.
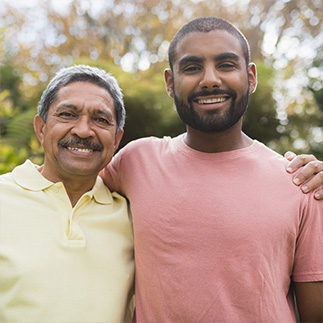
x=17, y=138
x=260, y=121
x=150, y=112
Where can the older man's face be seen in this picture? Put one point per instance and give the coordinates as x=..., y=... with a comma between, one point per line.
x=79, y=136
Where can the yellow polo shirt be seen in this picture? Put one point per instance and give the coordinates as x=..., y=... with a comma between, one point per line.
x=59, y=263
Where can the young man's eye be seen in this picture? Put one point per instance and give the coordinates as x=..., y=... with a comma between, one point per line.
x=191, y=69
x=227, y=66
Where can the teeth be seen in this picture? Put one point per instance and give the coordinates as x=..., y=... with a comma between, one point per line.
x=208, y=101
x=82, y=150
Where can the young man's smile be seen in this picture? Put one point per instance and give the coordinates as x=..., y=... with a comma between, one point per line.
x=210, y=81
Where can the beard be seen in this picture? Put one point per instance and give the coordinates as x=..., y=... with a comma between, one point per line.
x=212, y=122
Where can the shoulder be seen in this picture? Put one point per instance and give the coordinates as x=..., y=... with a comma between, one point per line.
x=143, y=147
x=6, y=178
x=147, y=142
x=267, y=166
x=104, y=195
x=269, y=157
x=8, y=187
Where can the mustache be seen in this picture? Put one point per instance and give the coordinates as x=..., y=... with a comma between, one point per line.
x=82, y=142
x=194, y=95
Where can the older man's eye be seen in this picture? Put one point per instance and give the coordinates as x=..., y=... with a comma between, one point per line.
x=65, y=115
x=102, y=121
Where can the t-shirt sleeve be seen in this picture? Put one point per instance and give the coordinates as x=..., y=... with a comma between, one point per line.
x=118, y=174
x=308, y=264
x=111, y=174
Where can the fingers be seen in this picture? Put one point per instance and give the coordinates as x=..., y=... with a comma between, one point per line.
x=298, y=161
x=319, y=195
x=311, y=168
x=312, y=184
x=289, y=155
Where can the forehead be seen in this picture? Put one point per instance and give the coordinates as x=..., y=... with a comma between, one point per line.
x=85, y=94
x=208, y=44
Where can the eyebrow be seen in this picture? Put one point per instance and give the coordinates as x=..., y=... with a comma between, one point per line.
x=190, y=59
x=228, y=55
x=107, y=114
x=66, y=106
x=220, y=57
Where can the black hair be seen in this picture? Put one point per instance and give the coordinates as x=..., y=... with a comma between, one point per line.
x=205, y=25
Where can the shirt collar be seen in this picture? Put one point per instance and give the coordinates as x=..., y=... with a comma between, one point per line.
x=28, y=177
x=101, y=193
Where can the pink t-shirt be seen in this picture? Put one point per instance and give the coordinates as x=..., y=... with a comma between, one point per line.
x=218, y=237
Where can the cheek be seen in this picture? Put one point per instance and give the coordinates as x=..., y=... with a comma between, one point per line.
x=183, y=89
x=47, y=143
x=239, y=84
x=51, y=138
x=108, y=140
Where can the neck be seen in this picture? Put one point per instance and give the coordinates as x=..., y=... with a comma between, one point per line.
x=75, y=186
x=231, y=139
x=75, y=189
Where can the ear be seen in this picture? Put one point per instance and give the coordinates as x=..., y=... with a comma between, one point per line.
x=168, y=77
x=118, y=139
x=39, y=125
x=252, y=73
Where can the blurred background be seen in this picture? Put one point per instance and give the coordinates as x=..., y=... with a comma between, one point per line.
x=130, y=38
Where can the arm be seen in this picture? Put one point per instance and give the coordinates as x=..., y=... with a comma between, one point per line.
x=312, y=166
x=309, y=298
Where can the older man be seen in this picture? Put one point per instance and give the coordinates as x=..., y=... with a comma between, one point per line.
x=66, y=243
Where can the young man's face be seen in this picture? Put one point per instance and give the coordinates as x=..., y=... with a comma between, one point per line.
x=79, y=136
x=210, y=81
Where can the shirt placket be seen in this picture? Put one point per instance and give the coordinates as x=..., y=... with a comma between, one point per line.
x=73, y=232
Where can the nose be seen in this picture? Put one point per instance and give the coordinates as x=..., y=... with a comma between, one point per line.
x=83, y=128
x=210, y=78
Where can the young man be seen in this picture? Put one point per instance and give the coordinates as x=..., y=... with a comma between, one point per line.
x=66, y=242
x=221, y=232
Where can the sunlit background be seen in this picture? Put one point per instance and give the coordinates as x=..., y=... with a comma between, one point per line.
x=131, y=39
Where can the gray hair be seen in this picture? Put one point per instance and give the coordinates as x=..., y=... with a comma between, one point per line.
x=83, y=73
x=205, y=25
